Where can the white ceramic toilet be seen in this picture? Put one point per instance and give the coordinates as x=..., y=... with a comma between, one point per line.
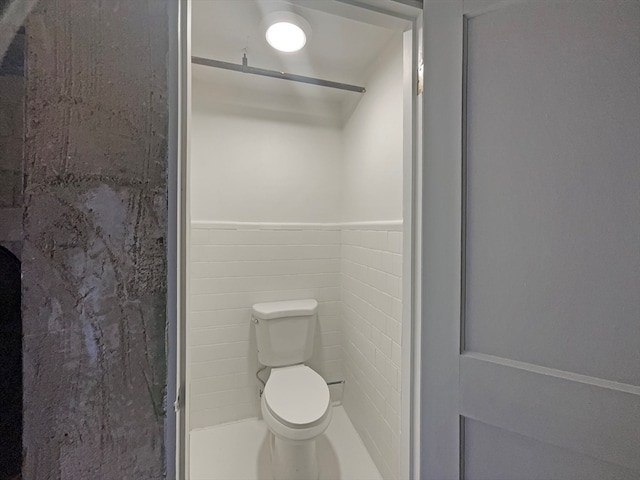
x=295, y=403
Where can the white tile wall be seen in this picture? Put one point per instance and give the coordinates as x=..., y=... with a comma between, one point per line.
x=353, y=271
x=233, y=267
x=371, y=303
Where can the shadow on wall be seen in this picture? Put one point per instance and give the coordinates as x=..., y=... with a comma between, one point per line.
x=11, y=148
x=10, y=367
x=329, y=464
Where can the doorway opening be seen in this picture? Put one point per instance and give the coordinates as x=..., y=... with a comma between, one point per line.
x=300, y=191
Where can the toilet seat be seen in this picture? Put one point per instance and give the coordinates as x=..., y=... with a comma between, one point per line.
x=297, y=396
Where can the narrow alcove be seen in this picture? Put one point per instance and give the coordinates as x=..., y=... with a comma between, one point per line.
x=12, y=104
x=10, y=366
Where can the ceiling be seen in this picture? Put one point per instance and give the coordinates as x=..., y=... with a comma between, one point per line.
x=340, y=49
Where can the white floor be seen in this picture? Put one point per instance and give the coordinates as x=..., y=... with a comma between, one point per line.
x=239, y=451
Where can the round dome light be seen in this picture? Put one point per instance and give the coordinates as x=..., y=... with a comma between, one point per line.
x=286, y=37
x=286, y=31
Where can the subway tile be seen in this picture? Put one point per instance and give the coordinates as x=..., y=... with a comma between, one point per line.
x=199, y=253
x=328, y=308
x=347, y=237
x=396, y=267
x=333, y=352
x=392, y=375
x=219, y=253
x=392, y=418
x=299, y=236
x=218, y=416
x=376, y=259
x=219, y=383
x=394, y=400
x=385, y=303
x=333, y=369
x=225, y=397
x=331, y=338
x=356, y=276
x=199, y=237
x=369, y=351
x=372, y=266
x=385, y=345
x=368, y=239
x=226, y=301
x=247, y=409
x=262, y=283
x=197, y=419
x=378, y=279
x=320, y=237
x=394, y=286
x=395, y=242
x=220, y=318
x=394, y=329
x=198, y=320
x=330, y=324
x=225, y=366
x=396, y=354
x=380, y=240
x=221, y=351
x=198, y=269
x=380, y=362
x=378, y=319
x=220, y=335
x=396, y=309
x=387, y=262
x=252, y=268
x=379, y=402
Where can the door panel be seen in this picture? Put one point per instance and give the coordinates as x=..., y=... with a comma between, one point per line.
x=531, y=240
x=487, y=447
x=552, y=187
x=592, y=417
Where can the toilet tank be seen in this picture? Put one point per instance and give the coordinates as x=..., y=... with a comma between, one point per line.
x=284, y=331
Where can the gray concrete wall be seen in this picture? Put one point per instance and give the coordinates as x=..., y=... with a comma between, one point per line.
x=95, y=224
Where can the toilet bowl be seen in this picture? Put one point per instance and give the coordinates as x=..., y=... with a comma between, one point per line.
x=295, y=402
x=296, y=408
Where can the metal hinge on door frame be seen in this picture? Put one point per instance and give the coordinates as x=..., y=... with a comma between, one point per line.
x=420, y=80
x=178, y=404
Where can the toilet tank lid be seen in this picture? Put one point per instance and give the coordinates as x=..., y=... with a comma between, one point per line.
x=292, y=308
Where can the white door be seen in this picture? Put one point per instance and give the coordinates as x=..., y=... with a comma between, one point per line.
x=531, y=240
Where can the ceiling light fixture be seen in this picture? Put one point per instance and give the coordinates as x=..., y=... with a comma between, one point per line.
x=286, y=31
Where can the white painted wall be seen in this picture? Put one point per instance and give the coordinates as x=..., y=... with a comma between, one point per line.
x=256, y=162
x=251, y=165
x=372, y=144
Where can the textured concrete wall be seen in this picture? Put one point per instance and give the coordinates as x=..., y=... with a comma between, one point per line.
x=95, y=221
x=11, y=133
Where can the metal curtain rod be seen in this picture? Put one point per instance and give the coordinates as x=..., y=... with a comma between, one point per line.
x=245, y=68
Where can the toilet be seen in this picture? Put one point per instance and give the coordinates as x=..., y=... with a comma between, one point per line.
x=295, y=402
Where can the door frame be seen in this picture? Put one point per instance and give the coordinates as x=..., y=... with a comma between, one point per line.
x=442, y=239
x=179, y=82
x=178, y=236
